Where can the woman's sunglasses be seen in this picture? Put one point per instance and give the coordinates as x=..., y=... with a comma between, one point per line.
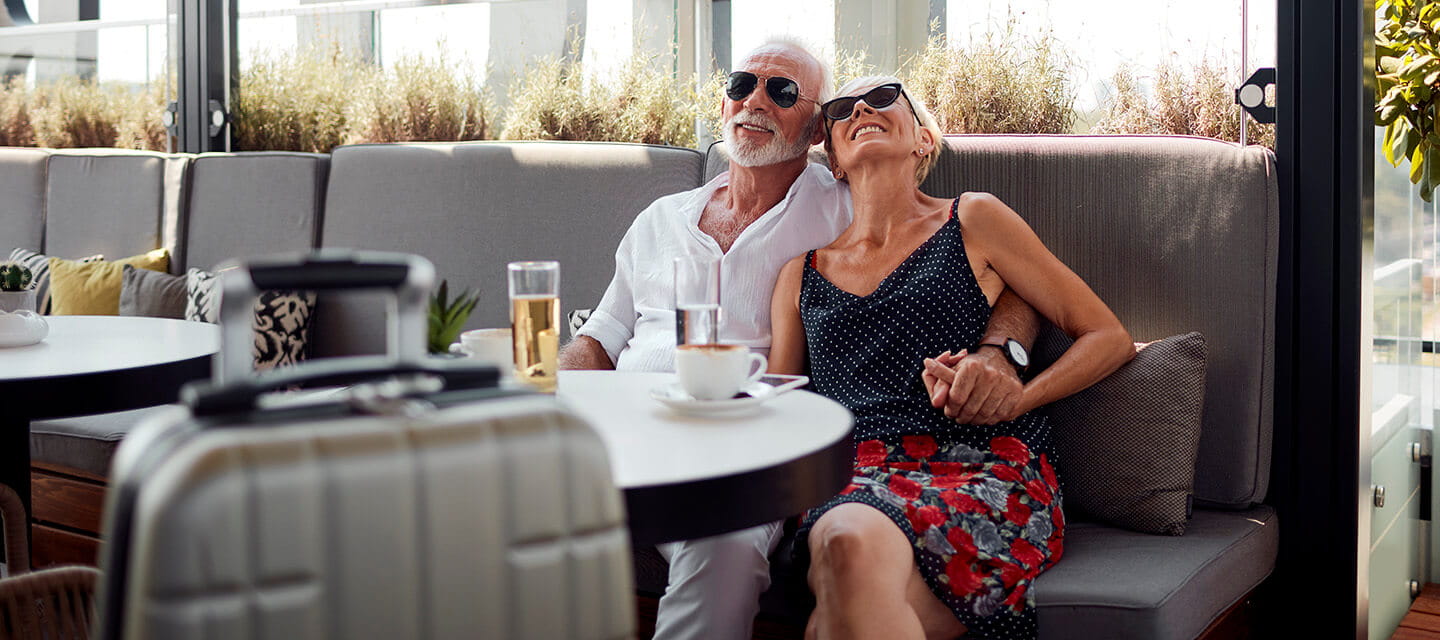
x=879, y=98
x=783, y=91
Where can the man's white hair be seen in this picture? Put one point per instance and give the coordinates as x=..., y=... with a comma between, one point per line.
x=827, y=73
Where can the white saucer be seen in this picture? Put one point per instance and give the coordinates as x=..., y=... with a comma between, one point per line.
x=673, y=395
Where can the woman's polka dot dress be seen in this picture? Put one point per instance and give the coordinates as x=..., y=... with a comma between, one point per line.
x=981, y=504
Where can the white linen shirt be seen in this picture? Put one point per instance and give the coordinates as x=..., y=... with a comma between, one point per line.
x=635, y=321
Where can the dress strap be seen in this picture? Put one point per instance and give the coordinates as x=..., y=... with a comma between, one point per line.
x=955, y=209
x=810, y=259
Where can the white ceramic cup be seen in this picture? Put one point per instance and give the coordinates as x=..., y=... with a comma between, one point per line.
x=488, y=346
x=716, y=371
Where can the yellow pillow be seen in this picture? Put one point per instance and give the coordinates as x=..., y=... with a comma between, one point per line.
x=93, y=288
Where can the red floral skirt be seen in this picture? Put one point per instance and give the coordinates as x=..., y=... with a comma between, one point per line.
x=984, y=523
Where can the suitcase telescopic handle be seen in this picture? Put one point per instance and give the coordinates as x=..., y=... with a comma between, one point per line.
x=236, y=388
x=409, y=279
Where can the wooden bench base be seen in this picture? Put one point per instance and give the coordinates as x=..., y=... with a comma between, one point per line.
x=66, y=506
x=1237, y=623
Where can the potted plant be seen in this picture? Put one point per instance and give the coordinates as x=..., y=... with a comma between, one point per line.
x=1407, y=87
x=19, y=324
x=16, y=292
x=447, y=317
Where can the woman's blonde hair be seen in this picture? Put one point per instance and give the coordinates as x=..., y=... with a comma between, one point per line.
x=927, y=122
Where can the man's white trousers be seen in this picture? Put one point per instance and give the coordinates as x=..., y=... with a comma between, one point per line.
x=715, y=584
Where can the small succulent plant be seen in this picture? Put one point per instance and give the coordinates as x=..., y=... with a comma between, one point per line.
x=14, y=276
x=447, y=317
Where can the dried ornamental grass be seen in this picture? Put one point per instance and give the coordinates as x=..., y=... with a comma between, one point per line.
x=15, y=126
x=554, y=100
x=999, y=83
x=550, y=102
x=298, y=101
x=419, y=99
x=72, y=112
x=1198, y=101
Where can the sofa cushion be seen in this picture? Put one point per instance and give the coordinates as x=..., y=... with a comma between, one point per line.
x=1111, y=583
x=150, y=293
x=93, y=288
x=471, y=207
x=22, y=210
x=1120, y=584
x=112, y=201
x=86, y=442
x=1175, y=234
x=1126, y=446
x=39, y=265
x=242, y=205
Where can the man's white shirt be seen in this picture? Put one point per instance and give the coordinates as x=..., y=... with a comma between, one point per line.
x=635, y=321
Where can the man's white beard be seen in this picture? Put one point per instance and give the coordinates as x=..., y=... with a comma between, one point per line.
x=777, y=150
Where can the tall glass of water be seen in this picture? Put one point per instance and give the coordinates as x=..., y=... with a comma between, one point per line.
x=697, y=300
x=535, y=322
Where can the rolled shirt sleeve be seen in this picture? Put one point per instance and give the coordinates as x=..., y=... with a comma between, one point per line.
x=612, y=323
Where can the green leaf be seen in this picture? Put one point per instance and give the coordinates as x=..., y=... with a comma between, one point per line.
x=1389, y=146
x=1417, y=165
x=1416, y=66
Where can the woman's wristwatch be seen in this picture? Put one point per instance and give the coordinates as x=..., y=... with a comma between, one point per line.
x=1013, y=350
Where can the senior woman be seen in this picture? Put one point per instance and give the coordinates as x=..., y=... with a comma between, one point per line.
x=944, y=526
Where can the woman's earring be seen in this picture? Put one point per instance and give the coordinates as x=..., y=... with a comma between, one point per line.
x=839, y=175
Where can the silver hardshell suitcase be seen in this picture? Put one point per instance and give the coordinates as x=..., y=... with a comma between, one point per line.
x=419, y=502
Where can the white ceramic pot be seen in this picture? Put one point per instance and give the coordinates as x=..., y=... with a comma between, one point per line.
x=18, y=300
x=22, y=328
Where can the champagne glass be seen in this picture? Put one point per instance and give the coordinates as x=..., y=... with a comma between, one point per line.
x=535, y=322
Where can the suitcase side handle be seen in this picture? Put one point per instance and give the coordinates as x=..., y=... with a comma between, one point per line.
x=409, y=278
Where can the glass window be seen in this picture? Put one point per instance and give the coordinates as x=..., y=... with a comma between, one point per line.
x=85, y=74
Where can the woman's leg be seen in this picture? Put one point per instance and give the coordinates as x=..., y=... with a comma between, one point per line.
x=865, y=581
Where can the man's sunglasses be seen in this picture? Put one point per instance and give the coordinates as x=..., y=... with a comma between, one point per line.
x=879, y=98
x=783, y=91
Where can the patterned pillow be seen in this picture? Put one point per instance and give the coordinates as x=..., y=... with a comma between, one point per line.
x=577, y=319
x=1127, y=445
x=282, y=318
x=39, y=265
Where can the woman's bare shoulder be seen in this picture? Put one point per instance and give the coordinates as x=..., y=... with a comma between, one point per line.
x=979, y=209
x=792, y=270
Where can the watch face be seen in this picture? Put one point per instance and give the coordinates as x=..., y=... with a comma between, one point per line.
x=1017, y=353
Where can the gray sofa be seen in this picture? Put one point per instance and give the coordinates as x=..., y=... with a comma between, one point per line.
x=1176, y=234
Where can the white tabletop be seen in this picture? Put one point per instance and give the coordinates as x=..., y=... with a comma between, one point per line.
x=651, y=445
x=92, y=344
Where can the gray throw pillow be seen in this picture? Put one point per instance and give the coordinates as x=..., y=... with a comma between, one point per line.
x=150, y=293
x=1128, y=444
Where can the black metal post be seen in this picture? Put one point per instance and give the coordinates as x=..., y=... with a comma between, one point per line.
x=1325, y=157
x=206, y=71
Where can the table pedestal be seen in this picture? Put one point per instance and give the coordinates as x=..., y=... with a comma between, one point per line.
x=15, y=463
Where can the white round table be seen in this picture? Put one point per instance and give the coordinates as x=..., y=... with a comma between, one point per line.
x=688, y=477
x=94, y=364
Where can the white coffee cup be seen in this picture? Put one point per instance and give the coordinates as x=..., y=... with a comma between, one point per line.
x=716, y=371
x=487, y=346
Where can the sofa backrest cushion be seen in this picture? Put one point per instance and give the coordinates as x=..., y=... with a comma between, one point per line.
x=473, y=207
x=22, y=198
x=1175, y=234
x=717, y=158
x=242, y=205
x=112, y=202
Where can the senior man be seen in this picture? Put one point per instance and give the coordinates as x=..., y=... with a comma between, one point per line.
x=771, y=205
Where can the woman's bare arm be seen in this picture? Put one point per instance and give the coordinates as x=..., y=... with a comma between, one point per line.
x=787, y=334
x=1022, y=261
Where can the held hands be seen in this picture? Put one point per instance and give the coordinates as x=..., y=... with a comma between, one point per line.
x=974, y=388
